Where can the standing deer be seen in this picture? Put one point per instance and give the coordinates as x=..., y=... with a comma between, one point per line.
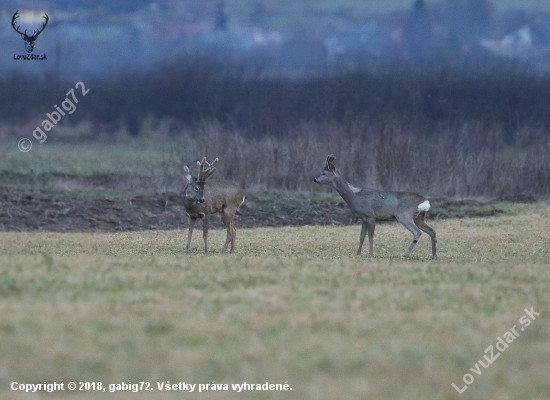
x=371, y=205
x=201, y=200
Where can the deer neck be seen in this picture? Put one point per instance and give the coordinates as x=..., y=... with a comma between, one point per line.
x=344, y=189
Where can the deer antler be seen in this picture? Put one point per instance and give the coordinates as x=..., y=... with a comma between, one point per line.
x=205, y=169
x=210, y=165
x=330, y=164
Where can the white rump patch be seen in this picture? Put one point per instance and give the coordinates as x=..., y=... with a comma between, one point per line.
x=354, y=189
x=425, y=206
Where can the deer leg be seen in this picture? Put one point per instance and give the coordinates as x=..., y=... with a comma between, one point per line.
x=227, y=216
x=223, y=217
x=230, y=239
x=371, y=223
x=362, y=237
x=190, y=234
x=429, y=230
x=410, y=225
x=233, y=235
x=367, y=226
x=233, y=232
x=205, y=232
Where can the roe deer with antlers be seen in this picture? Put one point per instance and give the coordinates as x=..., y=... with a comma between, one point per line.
x=371, y=205
x=201, y=199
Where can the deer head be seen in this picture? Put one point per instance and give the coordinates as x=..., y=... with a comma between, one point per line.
x=195, y=184
x=329, y=172
x=29, y=40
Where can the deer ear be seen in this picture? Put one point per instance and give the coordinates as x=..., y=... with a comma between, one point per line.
x=330, y=166
x=187, y=174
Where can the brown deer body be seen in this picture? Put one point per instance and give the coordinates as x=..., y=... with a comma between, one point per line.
x=373, y=205
x=202, y=199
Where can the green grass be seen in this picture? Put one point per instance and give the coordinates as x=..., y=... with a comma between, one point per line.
x=292, y=304
x=93, y=158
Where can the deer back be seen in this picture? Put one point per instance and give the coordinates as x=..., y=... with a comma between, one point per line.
x=384, y=205
x=220, y=194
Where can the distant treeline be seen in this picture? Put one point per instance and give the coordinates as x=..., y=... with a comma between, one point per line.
x=443, y=130
x=495, y=93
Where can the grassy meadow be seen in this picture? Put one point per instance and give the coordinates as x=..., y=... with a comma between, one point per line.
x=291, y=304
x=85, y=296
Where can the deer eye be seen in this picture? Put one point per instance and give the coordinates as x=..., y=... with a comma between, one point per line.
x=196, y=189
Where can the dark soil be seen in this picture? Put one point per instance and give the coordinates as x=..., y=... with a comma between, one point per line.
x=45, y=209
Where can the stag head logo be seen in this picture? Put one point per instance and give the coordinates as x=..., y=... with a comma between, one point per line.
x=29, y=40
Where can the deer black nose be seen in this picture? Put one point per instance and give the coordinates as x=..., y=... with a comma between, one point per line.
x=315, y=180
x=200, y=200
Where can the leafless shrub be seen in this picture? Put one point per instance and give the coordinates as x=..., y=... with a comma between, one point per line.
x=451, y=165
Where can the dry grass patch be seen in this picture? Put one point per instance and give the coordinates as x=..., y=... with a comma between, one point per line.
x=293, y=304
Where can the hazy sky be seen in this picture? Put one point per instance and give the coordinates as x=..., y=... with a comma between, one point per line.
x=385, y=5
